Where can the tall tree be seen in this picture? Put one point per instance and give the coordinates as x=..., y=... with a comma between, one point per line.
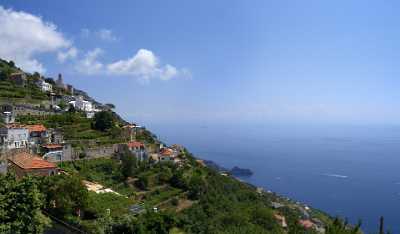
x=103, y=120
x=128, y=162
x=20, y=206
x=65, y=195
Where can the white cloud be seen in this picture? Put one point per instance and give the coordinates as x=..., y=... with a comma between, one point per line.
x=106, y=35
x=23, y=35
x=145, y=65
x=102, y=34
x=68, y=54
x=89, y=64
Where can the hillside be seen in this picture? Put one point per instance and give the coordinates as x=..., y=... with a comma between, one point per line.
x=119, y=193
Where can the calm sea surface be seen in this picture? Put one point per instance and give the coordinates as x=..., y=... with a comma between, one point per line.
x=350, y=171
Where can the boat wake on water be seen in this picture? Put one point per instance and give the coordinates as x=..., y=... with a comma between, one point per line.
x=336, y=176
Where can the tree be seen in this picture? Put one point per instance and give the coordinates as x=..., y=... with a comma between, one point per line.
x=381, y=229
x=3, y=75
x=36, y=75
x=11, y=63
x=339, y=226
x=50, y=81
x=103, y=120
x=62, y=105
x=142, y=182
x=165, y=175
x=128, y=162
x=110, y=106
x=177, y=180
x=20, y=206
x=195, y=187
x=65, y=195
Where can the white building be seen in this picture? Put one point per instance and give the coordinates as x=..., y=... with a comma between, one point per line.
x=8, y=117
x=44, y=86
x=83, y=105
x=14, y=137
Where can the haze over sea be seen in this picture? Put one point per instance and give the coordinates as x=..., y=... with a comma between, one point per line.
x=350, y=171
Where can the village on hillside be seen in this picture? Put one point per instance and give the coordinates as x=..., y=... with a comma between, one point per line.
x=50, y=144
x=50, y=128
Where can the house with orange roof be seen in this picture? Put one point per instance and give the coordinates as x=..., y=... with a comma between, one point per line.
x=167, y=154
x=138, y=149
x=306, y=224
x=24, y=163
x=37, y=133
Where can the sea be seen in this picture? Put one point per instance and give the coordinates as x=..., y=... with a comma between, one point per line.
x=351, y=171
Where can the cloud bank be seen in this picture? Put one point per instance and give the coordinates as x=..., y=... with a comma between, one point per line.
x=144, y=65
x=23, y=35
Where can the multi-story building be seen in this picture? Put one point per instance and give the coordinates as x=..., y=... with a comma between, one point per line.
x=83, y=105
x=13, y=136
x=44, y=86
x=138, y=149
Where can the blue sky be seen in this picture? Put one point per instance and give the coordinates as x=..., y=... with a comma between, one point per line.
x=218, y=61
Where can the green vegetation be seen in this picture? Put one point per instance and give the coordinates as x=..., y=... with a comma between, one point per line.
x=6, y=68
x=77, y=129
x=20, y=206
x=104, y=171
x=103, y=121
x=9, y=89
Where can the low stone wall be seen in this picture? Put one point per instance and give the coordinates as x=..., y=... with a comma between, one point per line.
x=30, y=110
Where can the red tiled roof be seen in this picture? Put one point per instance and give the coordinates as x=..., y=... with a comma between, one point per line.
x=52, y=146
x=16, y=73
x=14, y=125
x=28, y=161
x=307, y=224
x=129, y=126
x=135, y=144
x=36, y=128
x=166, y=152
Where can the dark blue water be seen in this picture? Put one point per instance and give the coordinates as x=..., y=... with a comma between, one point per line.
x=350, y=171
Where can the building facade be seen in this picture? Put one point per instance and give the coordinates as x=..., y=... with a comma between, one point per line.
x=83, y=105
x=44, y=86
x=14, y=137
x=138, y=149
x=37, y=134
x=7, y=117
